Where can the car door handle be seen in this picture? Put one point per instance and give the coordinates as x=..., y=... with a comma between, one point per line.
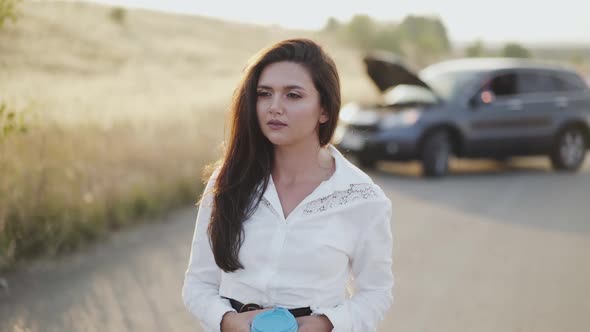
x=561, y=102
x=514, y=104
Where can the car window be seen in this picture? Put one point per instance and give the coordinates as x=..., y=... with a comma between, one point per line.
x=446, y=84
x=537, y=83
x=504, y=85
x=568, y=83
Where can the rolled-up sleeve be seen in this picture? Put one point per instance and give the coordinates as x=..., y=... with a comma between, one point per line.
x=200, y=292
x=372, y=276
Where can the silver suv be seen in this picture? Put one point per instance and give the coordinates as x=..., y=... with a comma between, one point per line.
x=471, y=108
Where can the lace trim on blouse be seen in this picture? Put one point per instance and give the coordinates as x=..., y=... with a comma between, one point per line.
x=362, y=191
x=356, y=192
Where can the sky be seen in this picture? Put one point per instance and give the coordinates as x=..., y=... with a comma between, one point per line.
x=563, y=21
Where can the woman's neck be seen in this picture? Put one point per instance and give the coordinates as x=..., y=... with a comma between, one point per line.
x=298, y=163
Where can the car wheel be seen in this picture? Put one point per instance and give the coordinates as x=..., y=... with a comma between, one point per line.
x=570, y=150
x=436, y=152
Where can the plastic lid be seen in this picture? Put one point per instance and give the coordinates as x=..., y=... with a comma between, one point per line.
x=276, y=320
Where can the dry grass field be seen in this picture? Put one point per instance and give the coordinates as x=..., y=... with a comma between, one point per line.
x=119, y=116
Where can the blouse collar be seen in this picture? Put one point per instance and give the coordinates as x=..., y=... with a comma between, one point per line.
x=345, y=175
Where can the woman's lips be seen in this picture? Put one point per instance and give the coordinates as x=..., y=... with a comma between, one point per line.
x=276, y=125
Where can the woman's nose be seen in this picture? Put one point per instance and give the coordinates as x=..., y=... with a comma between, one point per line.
x=276, y=106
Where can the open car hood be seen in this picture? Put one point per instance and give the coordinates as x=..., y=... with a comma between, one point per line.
x=388, y=70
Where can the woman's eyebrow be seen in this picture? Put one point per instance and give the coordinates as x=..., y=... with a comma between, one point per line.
x=286, y=87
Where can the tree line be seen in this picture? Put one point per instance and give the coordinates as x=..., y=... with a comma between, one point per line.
x=422, y=38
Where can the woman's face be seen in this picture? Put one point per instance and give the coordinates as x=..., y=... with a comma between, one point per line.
x=288, y=104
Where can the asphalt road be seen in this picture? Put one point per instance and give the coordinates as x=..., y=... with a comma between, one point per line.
x=489, y=248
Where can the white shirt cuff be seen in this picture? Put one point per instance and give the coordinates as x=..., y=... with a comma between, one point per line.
x=216, y=312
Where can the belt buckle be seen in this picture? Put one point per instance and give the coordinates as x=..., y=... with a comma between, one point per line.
x=250, y=307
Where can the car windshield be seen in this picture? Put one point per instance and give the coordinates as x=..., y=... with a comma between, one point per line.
x=447, y=83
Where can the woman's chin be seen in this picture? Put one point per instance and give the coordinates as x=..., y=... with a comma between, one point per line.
x=278, y=139
x=278, y=142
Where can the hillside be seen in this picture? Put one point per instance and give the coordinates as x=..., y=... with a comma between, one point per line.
x=73, y=59
x=120, y=116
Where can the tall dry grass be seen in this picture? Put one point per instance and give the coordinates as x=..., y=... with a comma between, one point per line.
x=121, y=116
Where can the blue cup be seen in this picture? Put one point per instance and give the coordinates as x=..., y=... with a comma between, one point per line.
x=275, y=320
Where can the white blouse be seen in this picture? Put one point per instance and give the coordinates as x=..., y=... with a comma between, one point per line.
x=332, y=253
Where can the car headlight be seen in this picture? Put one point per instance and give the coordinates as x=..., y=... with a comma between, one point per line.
x=401, y=119
x=348, y=111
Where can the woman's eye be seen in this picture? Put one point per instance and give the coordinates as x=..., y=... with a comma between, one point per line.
x=262, y=94
x=293, y=95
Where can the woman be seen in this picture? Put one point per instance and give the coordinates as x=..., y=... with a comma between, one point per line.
x=286, y=220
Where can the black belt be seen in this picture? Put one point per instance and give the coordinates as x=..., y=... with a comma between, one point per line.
x=240, y=307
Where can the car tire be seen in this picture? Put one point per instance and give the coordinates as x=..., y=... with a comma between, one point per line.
x=569, y=150
x=436, y=151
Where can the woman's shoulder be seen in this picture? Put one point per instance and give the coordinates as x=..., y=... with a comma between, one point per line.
x=350, y=188
x=211, y=172
x=210, y=175
x=356, y=180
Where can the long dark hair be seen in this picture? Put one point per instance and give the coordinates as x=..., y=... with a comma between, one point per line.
x=244, y=170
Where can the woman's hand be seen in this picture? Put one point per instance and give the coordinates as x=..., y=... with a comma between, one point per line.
x=316, y=323
x=235, y=322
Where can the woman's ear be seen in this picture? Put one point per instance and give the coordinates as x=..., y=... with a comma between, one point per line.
x=324, y=116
